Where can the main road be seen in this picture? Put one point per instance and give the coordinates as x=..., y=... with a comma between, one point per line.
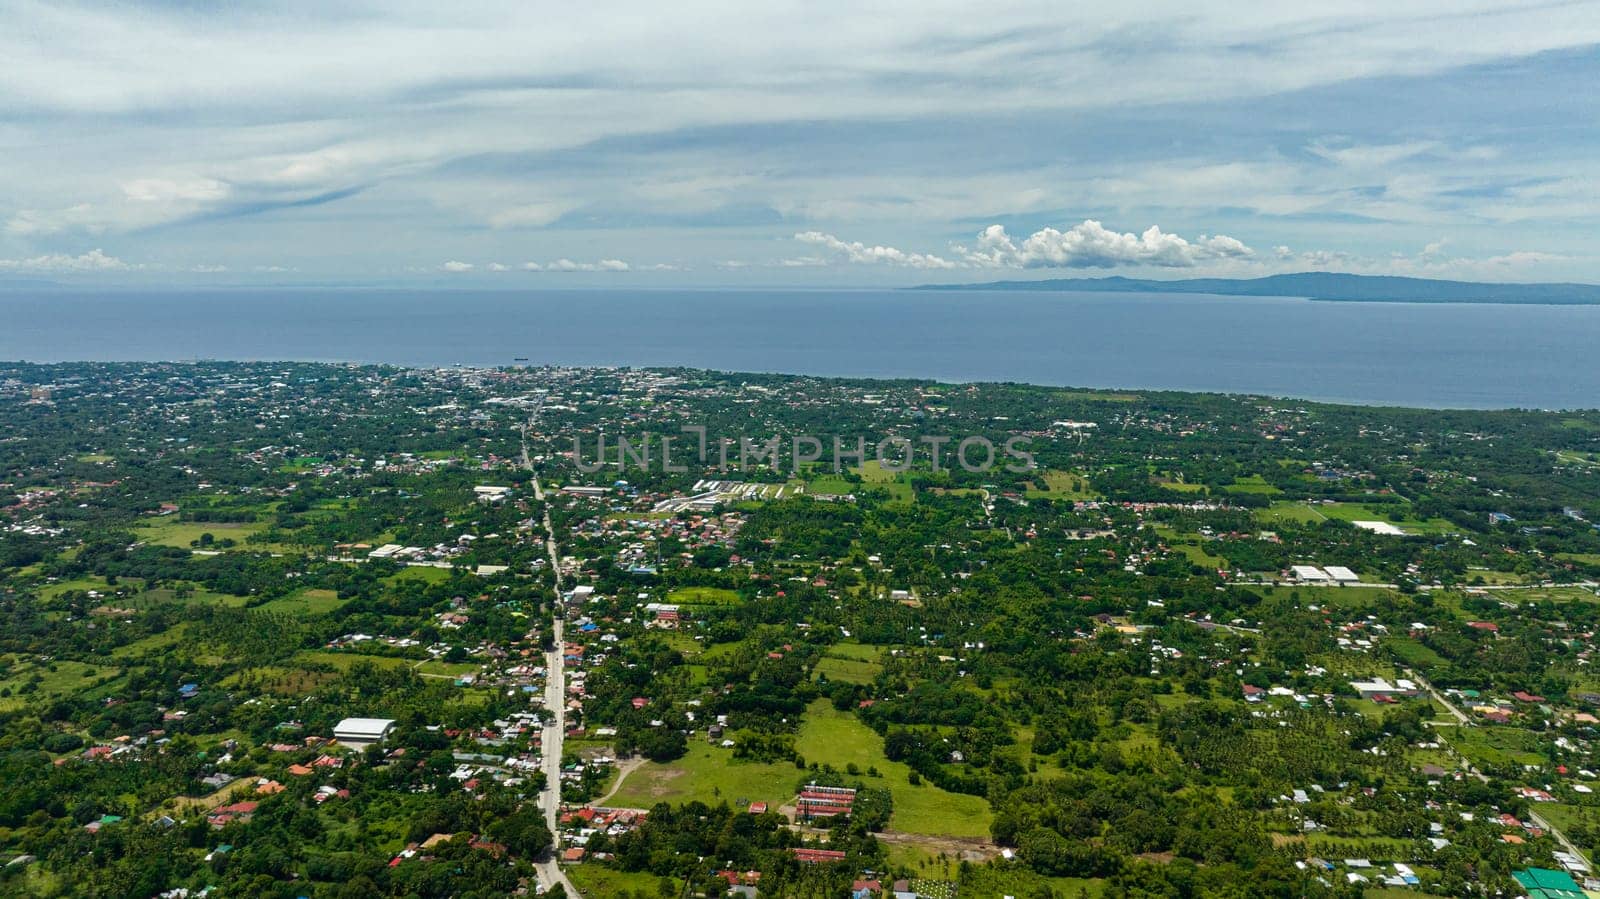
x=555, y=698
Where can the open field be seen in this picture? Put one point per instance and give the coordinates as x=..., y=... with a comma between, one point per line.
x=344, y=660
x=1252, y=484
x=598, y=880
x=1062, y=485
x=703, y=596
x=839, y=738
x=1305, y=513
x=305, y=602
x=851, y=662
x=169, y=531
x=875, y=477
x=32, y=681
x=710, y=774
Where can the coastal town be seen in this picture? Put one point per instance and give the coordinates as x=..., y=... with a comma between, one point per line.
x=338, y=630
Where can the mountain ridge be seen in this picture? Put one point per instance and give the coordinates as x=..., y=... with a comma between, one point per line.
x=1330, y=286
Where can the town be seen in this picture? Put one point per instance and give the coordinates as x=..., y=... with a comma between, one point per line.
x=288, y=630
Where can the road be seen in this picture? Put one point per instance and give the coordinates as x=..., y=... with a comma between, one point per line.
x=1560, y=837
x=555, y=698
x=1422, y=682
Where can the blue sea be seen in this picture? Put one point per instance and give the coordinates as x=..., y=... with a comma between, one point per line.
x=1430, y=355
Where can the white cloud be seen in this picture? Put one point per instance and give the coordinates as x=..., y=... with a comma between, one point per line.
x=455, y=267
x=92, y=261
x=1092, y=245
x=499, y=267
x=567, y=265
x=858, y=252
x=1087, y=245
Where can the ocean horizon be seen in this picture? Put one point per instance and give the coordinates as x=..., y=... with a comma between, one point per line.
x=1432, y=355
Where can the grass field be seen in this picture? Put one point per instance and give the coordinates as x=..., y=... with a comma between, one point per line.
x=421, y=573
x=344, y=660
x=1253, y=484
x=66, y=679
x=851, y=662
x=710, y=774
x=875, y=477
x=1062, y=485
x=169, y=531
x=599, y=881
x=839, y=738
x=703, y=596
x=1547, y=594
x=1306, y=513
x=305, y=602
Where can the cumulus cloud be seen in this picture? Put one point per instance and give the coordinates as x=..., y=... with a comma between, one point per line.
x=1086, y=245
x=457, y=268
x=567, y=265
x=1092, y=245
x=92, y=261
x=499, y=267
x=858, y=252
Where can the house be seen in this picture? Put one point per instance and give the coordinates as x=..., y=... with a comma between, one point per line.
x=574, y=854
x=1379, y=687
x=818, y=856
x=1547, y=883
x=359, y=733
x=223, y=815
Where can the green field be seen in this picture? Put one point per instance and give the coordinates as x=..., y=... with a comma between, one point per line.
x=67, y=678
x=1396, y=514
x=710, y=774
x=1062, y=485
x=851, y=662
x=703, y=596
x=875, y=477
x=596, y=880
x=169, y=531
x=839, y=738
x=305, y=602
x=1252, y=484
x=344, y=660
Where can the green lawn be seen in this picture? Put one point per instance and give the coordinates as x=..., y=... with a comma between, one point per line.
x=1253, y=484
x=1062, y=485
x=169, y=531
x=305, y=602
x=703, y=596
x=344, y=660
x=875, y=477
x=596, y=880
x=710, y=774
x=839, y=738
x=851, y=662
x=67, y=679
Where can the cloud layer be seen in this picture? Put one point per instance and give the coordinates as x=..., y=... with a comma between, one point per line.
x=343, y=140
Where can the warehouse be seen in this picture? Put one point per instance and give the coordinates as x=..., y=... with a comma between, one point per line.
x=359, y=733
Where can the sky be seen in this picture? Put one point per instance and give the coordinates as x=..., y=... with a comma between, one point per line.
x=813, y=143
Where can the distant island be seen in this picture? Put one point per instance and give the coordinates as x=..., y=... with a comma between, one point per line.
x=1318, y=286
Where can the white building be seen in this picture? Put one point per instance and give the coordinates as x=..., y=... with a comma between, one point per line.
x=1310, y=574
x=359, y=733
x=1342, y=574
